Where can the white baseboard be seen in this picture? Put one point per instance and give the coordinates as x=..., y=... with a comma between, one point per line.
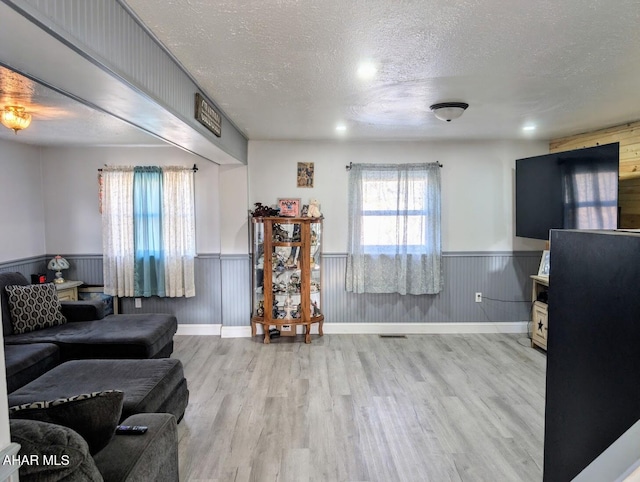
x=423, y=328
x=236, y=332
x=516, y=327
x=200, y=330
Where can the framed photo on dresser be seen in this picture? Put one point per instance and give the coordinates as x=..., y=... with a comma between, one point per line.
x=543, y=270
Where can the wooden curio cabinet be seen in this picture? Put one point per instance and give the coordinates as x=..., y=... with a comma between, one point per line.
x=287, y=277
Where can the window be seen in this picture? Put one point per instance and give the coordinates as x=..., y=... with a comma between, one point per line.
x=394, y=229
x=391, y=221
x=590, y=198
x=148, y=231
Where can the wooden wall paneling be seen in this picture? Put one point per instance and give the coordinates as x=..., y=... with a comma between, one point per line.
x=628, y=136
x=629, y=201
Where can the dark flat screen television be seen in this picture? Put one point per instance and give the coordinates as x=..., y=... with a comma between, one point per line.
x=567, y=190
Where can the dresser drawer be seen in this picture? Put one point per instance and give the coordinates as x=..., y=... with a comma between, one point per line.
x=69, y=294
x=540, y=323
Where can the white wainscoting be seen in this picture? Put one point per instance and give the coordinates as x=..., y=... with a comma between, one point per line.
x=223, y=285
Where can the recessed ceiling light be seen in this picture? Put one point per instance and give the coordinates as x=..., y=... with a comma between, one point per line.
x=367, y=70
x=529, y=128
x=341, y=128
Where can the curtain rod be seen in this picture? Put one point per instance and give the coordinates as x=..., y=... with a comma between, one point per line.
x=348, y=168
x=194, y=168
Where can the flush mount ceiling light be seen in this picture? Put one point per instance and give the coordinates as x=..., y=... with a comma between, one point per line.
x=14, y=117
x=447, y=111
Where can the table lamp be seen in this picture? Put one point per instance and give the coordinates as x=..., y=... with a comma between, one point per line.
x=57, y=264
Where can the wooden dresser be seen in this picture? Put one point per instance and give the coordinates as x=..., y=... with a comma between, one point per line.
x=539, y=312
x=68, y=291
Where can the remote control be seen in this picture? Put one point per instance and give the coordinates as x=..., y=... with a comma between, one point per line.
x=131, y=429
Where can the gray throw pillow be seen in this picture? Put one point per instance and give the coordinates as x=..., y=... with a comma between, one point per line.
x=93, y=415
x=34, y=307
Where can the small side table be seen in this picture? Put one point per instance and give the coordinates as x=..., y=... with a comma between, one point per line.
x=539, y=313
x=68, y=291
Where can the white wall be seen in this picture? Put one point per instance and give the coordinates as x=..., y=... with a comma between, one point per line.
x=73, y=223
x=477, y=191
x=4, y=405
x=22, y=202
x=23, y=229
x=477, y=184
x=234, y=212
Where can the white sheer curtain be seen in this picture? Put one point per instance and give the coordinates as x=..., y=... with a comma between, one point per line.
x=179, y=231
x=394, y=229
x=117, y=231
x=590, y=196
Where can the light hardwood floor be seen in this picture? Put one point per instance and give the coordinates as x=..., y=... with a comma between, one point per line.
x=362, y=408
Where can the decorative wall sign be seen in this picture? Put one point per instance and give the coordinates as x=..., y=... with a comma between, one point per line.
x=289, y=207
x=305, y=174
x=208, y=116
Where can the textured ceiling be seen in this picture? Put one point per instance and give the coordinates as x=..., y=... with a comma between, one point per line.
x=286, y=69
x=58, y=120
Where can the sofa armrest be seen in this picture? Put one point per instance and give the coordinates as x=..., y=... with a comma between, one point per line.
x=83, y=310
x=151, y=456
x=54, y=452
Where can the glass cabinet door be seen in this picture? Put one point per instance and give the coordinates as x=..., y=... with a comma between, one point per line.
x=286, y=278
x=258, y=269
x=315, y=267
x=285, y=233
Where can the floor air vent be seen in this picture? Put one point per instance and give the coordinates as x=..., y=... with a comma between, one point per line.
x=392, y=336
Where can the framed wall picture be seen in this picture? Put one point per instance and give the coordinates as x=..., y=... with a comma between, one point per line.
x=289, y=207
x=543, y=270
x=305, y=174
x=96, y=293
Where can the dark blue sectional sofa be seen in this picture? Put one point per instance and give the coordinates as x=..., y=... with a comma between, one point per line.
x=91, y=353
